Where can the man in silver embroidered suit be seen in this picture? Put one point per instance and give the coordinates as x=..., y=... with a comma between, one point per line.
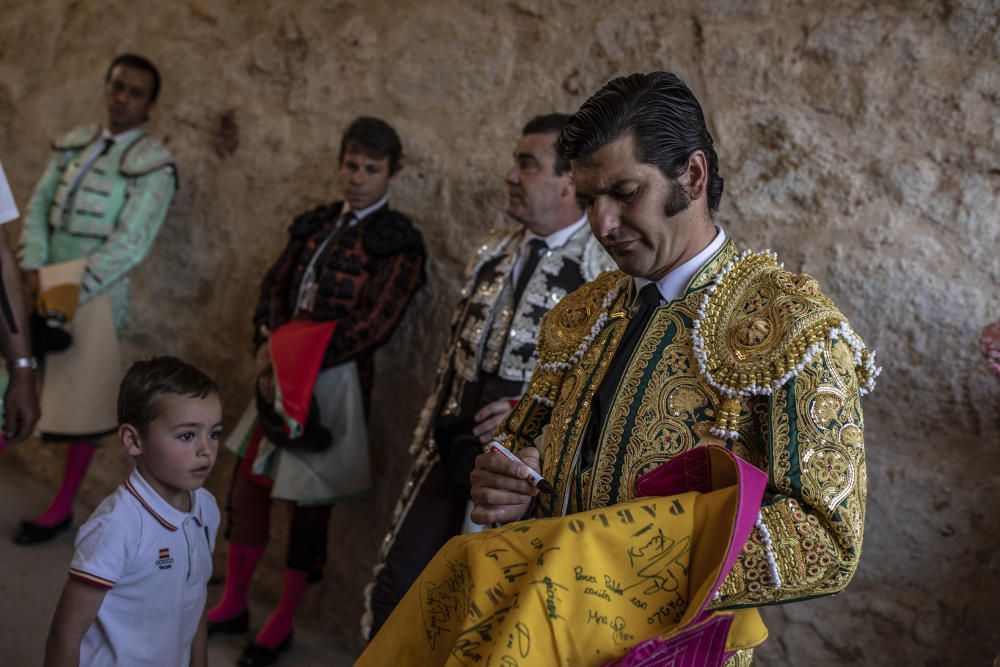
x=515, y=278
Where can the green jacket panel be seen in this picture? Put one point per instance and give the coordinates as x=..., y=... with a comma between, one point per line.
x=111, y=217
x=33, y=251
x=147, y=200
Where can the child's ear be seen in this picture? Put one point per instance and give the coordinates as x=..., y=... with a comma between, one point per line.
x=129, y=435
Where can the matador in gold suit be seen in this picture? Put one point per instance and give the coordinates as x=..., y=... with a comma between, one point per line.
x=745, y=354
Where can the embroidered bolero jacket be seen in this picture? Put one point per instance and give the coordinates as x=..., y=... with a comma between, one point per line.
x=751, y=356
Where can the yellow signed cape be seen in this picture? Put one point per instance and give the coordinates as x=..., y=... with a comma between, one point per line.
x=576, y=590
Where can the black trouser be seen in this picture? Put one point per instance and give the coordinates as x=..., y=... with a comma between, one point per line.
x=435, y=517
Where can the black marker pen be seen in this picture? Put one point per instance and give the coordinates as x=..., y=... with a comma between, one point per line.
x=537, y=480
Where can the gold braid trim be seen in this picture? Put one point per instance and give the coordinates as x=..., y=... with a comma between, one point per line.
x=758, y=325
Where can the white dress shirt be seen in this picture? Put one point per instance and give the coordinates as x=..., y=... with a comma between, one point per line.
x=8, y=208
x=673, y=285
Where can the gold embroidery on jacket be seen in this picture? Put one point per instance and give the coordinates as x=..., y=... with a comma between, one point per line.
x=816, y=541
x=807, y=433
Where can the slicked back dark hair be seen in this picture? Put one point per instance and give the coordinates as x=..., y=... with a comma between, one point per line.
x=140, y=63
x=147, y=380
x=552, y=123
x=662, y=115
x=375, y=138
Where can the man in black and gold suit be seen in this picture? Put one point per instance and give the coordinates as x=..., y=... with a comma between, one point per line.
x=355, y=262
x=516, y=277
x=691, y=342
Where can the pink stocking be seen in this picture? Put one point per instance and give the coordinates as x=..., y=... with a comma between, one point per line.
x=78, y=456
x=279, y=623
x=242, y=562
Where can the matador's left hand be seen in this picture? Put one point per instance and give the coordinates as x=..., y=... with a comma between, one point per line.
x=489, y=417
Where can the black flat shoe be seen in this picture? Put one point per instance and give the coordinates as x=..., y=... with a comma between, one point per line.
x=236, y=625
x=32, y=533
x=255, y=655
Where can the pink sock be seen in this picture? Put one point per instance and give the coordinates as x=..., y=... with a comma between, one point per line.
x=242, y=562
x=78, y=456
x=279, y=623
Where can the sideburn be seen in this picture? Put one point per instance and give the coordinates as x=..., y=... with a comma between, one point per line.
x=678, y=201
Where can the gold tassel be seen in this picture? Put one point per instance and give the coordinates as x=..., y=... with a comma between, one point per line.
x=728, y=420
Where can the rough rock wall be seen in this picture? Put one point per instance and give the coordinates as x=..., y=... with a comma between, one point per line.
x=860, y=141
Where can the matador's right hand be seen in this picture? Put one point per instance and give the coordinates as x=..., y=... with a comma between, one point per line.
x=500, y=486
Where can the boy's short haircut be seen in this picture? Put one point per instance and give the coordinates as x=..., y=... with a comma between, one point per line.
x=146, y=380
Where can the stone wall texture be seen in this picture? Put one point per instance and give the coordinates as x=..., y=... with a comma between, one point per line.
x=859, y=140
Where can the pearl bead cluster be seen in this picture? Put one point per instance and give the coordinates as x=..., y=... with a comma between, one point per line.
x=727, y=420
x=863, y=357
x=544, y=400
x=772, y=563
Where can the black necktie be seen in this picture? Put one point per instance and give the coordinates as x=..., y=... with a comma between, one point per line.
x=108, y=143
x=346, y=220
x=642, y=310
x=529, y=262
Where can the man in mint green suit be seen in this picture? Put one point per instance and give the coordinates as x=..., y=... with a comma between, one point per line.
x=97, y=208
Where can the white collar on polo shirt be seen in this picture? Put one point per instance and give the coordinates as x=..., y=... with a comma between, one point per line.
x=169, y=516
x=558, y=238
x=365, y=212
x=673, y=285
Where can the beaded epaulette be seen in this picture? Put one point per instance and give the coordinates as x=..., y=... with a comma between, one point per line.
x=758, y=326
x=570, y=328
x=78, y=137
x=145, y=156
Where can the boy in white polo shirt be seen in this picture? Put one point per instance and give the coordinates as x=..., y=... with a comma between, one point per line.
x=137, y=583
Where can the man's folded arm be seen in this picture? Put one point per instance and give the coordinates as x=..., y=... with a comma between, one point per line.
x=807, y=542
